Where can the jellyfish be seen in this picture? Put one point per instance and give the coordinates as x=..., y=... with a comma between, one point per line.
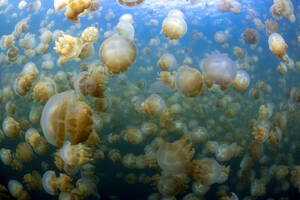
x=16, y=189
x=65, y=117
x=52, y=184
x=189, y=81
x=117, y=53
x=174, y=158
x=282, y=8
x=171, y=185
x=11, y=127
x=219, y=69
x=207, y=171
x=90, y=34
x=153, y=105
x=130, y=2
x=250, y=36
x=44, y=89
x=127, y=18
x=125, y=29
x=24, y=152
x=166, y=62
x=277, y=45
x=221, y=37
x=74, y=155
x=241, y=81
x=174, y=26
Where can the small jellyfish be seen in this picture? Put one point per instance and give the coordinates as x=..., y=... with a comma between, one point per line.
x=117, y=53
x=127, y=18
x=219, y=69
x=174, y=26
x=24, y=152
x=174, y=158
x=189, y=81
x=241, y=81
x=74, y=155
x=16, y=189
x=90, y=34
x=250, y=36
x=170, y=185
x=153, y=105
x=166, y=62
x=44, y=89
x=65, y=117
x=277, y=45
x=11, y=127
x=125, y=29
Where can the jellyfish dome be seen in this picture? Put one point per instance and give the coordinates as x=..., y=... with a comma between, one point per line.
x=65, y=117
x=219, y=69
x=118, y=53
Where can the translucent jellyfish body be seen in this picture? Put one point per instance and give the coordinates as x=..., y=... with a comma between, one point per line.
x=277, y=45
x=189, y=81
x=174, y=158
x=16, y=189
x=127, y=18
x=221, y=37
x=282, y=8
x=125, y=29
x=250, y=36
x=174, y=26
x=24, y=81
x=241, y=81
x=90, y=34
x=74, y=155
x=171, y=185
x=166, y=62
x=198, y=135
x=65, y=117
x=219, y=69
x=11, y=127
x=153, y=105
x=118, y=53
x=68, y=48
x=51, y=183
x=24, y=152
x=207, y=171
x=44, y=89
x=74, y=8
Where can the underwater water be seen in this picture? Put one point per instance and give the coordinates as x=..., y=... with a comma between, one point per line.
x=150, y=99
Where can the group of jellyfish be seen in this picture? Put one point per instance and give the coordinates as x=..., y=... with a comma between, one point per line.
x=72, y=108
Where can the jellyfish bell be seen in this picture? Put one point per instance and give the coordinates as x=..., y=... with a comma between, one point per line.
x=49, y=182
x=166, y=61
x=174, y=27
x=125, y=29
x=66, y=117
x=189, y=81
x=44, y=89
x=250, y=36
x=241, y=81
x=219, y=69
x=277, y=45
x=128, y=18
x=153, y=105
x=117, y=53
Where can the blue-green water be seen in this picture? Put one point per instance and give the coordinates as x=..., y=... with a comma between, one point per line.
x=228, y=116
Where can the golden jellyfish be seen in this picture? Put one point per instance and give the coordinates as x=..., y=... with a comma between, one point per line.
x=260, y=131
x=277, y=45
x=295, y=177
x=117, y=53
x=74, y=155
x=33, y=181
x=199, y=135
x=130, y=2
x=174, y=158
x=35, y=114
x=271, y=26
x=219, y=69
x=32, y=137
x=22, y=4
x=7, y=41
x=129, y=161
x=174, y=26
x=12, y=54
x=66, y=117
x=133, y=136
x=221, y=37
x=171, y=185
x=24, y=152
x=189, y=81
x=16, y=189
x=229, y=6
x=90, y=34
x=91, y=83
x=167, y=78
x=115, y=156
x=207, y=171
x=28, y=41
x=149, y=128
x=74, y=8
x=241, y=81
x=44, y=89
x=250, y=36
x=153, y=105
x=102, y=104
x=11, y=127
x=282, y=8
x=166, y=62
x=68, y=48
x=6, y=156
x=52, y=184
x=125, y=29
